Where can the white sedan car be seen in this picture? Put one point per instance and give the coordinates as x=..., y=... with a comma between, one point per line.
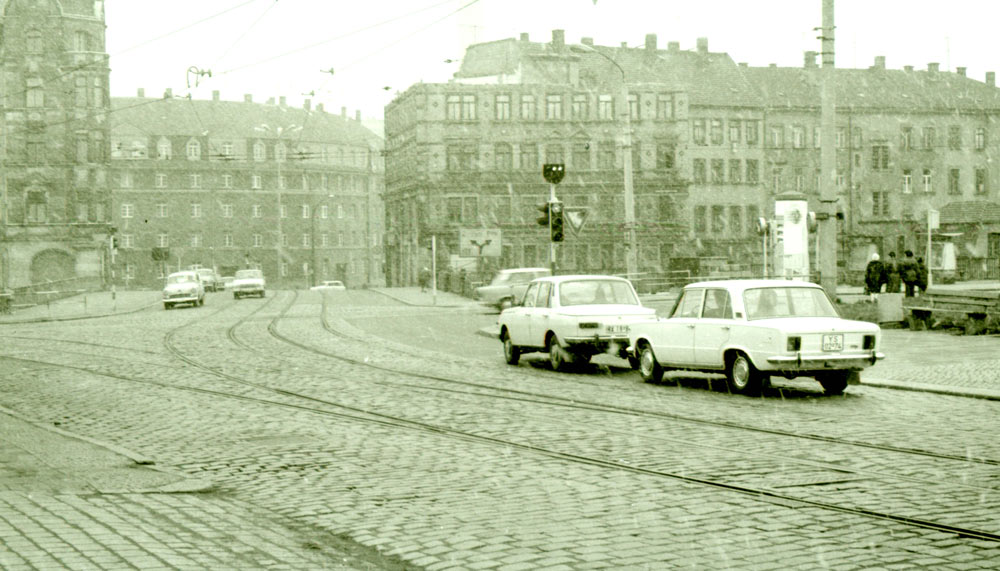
x=752, y=329
x=572, y=318
x=331, y=284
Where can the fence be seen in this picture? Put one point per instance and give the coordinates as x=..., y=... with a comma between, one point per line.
x=969, y=269
x=40, y=293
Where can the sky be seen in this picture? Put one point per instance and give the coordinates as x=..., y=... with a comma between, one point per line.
x=377, y=48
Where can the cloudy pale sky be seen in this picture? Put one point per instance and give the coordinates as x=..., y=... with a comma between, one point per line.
x=376, y=48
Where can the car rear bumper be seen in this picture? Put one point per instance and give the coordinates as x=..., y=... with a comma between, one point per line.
x=595, y=343
x=823, y=362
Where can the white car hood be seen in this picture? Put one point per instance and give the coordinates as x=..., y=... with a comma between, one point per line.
x=185, y=287
x=816, y=324
x=605, y=310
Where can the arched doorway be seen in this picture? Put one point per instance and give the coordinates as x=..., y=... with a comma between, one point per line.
x=52, y=266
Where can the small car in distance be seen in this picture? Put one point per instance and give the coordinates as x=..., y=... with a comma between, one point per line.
x=330, y=284
x=248, y=282
x=572, y=318
x=183, y=287
x=209, y=278
x=226, y=281
x=507, y=286
x=751, y=330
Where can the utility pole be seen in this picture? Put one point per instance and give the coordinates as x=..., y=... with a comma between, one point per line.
x=827, y=213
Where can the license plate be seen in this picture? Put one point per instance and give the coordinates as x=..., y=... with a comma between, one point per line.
x=833, y=342
x=617, y=329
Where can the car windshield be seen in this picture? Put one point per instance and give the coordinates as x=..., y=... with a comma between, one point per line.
x=595, y=292
x=248, y=274
x=181, y=279
x=768, y=302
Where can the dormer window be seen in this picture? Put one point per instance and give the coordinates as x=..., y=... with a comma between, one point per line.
x=194, y=150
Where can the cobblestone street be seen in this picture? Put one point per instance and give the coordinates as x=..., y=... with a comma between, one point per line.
x=211, y=457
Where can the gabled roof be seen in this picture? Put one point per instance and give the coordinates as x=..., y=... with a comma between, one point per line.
x=167, y=117
x=971, y=212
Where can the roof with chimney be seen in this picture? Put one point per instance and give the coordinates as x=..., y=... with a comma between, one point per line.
x=181, y=116
x=970, y=212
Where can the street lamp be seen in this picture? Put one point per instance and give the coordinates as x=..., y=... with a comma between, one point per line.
x=279, y=132
x=632, y=255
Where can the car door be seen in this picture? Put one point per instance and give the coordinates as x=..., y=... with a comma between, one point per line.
x=541, y=313
x=712, y=331
x=675, y=342
x=518, y=317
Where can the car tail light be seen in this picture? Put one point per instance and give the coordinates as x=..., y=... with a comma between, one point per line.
x=869, y=342
x=590, y=325
x=794, y=343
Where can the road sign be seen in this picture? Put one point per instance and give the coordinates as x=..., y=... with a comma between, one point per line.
x=475, y=242
x=576, y=216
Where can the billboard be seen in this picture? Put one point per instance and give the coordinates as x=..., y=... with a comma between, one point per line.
x=476, y=242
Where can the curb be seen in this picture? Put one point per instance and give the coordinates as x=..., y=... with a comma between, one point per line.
x=411, y=303
x=76, y=317
x=967, y=392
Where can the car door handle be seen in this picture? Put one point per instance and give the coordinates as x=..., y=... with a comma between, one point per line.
x=691, y=326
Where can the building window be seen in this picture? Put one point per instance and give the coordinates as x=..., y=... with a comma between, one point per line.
x=735, y=171
x=798, y=137
x=954, y=138
x=469, y=107
x=605, y=108
x=880, y=157
x=700, y=224
x=305, y=211
x=128, y=210
x=35, y=93
x=256, y=211
x=930, y=136
x=283, y=211
x=255, y=183
x=633, y=107
x=324, y=211
x=718, y=219
x=195, y=180
x=163, y=240
x=553, y=107
x=163, y=150
x=259, y=151
x=752, y=129
x=581, y=156
x=503, y=157
x=817, y=137
x=880, y=203
x=698, y=131
x=258, y=241
x=196, y=240
x=581, y=107
x=460, y=158
x=227, y=240
x=715, y=133
x=699, y=171
x=453, y=107
x=664, y=107
x=125, y=179
x=906, y=138
x=529, y=157
x=665, y=156
x=127, y=241
x=718, y=176
x=227, y=181
x=980, y=139
x=753, y=175
x=227, y=150
x=606, y=155
x=927, y=180
x=734, y=130
x=161, y=210
x=37, y=207
x=227, y=210
x=953, y=182
x=841, y=138
x=33, y=42
x=340, y=211
x=193, y=151
x=195, y=210
x=777, y=140
x=907, y=181
x=776, y=179
x=503, y=107
x=528, y=107
x=981, y=181
x=736, y=220
x=324, y=239
x=306, y=240
x=80, y=91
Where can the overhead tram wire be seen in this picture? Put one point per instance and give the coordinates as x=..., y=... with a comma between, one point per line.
x=244, y=34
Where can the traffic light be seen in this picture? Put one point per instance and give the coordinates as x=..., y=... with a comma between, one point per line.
x=543, y=220
x=556, y=228
x=553, y=172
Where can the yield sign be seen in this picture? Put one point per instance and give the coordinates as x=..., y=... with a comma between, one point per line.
x=576, y=216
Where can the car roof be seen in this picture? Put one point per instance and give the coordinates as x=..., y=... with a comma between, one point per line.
x=745, y=284
x=184, y=273
x=517, y=270
x=577, y=277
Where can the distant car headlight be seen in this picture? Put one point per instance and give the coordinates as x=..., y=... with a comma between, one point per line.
x=794, y=343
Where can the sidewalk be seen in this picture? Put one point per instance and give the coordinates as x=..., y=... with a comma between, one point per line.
x=93, y=304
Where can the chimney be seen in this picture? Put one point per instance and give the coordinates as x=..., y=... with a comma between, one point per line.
x=673, y=47
x=907, y=68
x=524, y=37
x=247, y=98
x=991, y=78
x=810, y=59
x=960, y=71
x=168, y=93
x=879, y=62
x=651, y=42
x=772, y=65
x=357, y=115
x=624, y=44
x=281, y=100
x=558, y=39
x=932, y=67
x=307, y=104
x=141, y=92
x=587, y=41
x=319, y=107
x=215, y=95
x=702, y=45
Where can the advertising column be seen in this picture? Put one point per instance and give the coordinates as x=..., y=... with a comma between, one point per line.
x=791, y=239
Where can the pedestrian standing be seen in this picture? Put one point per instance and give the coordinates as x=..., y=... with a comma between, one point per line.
x=424, y=278
x=921, y=275
x=892, y=274
x=908, y=272
x=874, y=277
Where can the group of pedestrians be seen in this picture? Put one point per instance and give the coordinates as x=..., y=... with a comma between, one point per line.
x=910, y=272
